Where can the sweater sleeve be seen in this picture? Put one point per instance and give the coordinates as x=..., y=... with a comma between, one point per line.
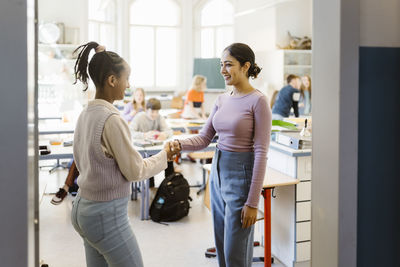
x=262, y=133
x=204, y=138
x=116, y=140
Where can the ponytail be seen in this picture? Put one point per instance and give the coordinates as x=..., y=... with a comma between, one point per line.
x=81, y=65
x=101, y=66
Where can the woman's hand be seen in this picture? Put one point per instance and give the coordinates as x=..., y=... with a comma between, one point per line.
x=248, y=216
x=170, y=153
x=176, y=146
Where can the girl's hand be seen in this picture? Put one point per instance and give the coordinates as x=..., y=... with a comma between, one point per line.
x=248, y=216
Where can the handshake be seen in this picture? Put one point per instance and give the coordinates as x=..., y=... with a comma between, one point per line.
x=172, y=148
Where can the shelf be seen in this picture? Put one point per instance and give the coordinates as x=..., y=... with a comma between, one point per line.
x=60, y=46
x=296, y=51
x=297, y=66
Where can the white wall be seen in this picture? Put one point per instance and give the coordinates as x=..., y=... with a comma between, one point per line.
x=380, y=23
x=294, y=16
x=73, y=13
x=264, y=24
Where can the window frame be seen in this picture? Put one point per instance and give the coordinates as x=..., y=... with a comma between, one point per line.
x=100, y=23
x=155, y=87
x=198, y=27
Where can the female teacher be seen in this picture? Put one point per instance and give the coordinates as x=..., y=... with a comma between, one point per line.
x=242, y=120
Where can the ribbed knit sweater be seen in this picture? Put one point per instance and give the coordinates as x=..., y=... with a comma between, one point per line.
x=102, y=145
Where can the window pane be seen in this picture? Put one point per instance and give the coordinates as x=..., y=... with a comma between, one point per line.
x=107, y=33
x=217, y=12
x=101, y=10
x=167, y=57
x=224, y=38
x=142, y=56
x=93, y=33
x=155, y=12
x=207, y=43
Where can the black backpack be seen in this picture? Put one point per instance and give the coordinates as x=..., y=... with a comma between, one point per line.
x=171, y=200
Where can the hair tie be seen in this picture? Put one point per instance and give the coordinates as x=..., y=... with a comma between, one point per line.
x=100, y=48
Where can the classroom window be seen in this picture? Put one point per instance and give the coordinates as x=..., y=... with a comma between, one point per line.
x=154, y=43
x=215, y=25
x=101, y=20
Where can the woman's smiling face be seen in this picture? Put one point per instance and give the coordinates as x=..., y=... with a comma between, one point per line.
x=231, y=70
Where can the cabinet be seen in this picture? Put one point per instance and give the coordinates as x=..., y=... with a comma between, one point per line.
x=280, y=63
x=291, y=209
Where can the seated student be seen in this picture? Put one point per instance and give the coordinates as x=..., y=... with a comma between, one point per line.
x=69, y=186
x=305, y=95
x=137, y=105
x=287, y=98
x=150, y=124
x=193, y=107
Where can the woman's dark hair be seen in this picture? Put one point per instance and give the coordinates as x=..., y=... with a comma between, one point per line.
x=243, y=53
x=101, y=66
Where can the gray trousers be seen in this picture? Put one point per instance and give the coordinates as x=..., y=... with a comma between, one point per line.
x=230, y=181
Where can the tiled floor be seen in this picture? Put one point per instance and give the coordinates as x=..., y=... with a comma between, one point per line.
x=180, y=244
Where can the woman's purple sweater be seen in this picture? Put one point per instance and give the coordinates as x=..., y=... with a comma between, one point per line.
x=243, y=124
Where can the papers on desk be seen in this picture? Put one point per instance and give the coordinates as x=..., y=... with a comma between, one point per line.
x=283, y=126
x=197, y=122
x=147, y=143
x=293, y=140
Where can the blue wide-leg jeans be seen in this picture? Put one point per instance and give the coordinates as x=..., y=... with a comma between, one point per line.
x=230, y=181
x=106, y=232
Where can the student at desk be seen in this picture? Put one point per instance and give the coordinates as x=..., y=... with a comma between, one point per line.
x=287, y=98
x=137, y=105
x=305, y=96
x=107, y=163
x=151, y=125
x=193, y=107
x=242, y=119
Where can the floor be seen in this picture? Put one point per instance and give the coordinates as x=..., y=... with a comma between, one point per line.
x=178, y=244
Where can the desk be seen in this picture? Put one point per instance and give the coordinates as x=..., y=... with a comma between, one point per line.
x=168, y=111
x=50, y=118
x=61, y=152
x=56, y=128
x=58, y=152
x=184, y=125
x=272, y=179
